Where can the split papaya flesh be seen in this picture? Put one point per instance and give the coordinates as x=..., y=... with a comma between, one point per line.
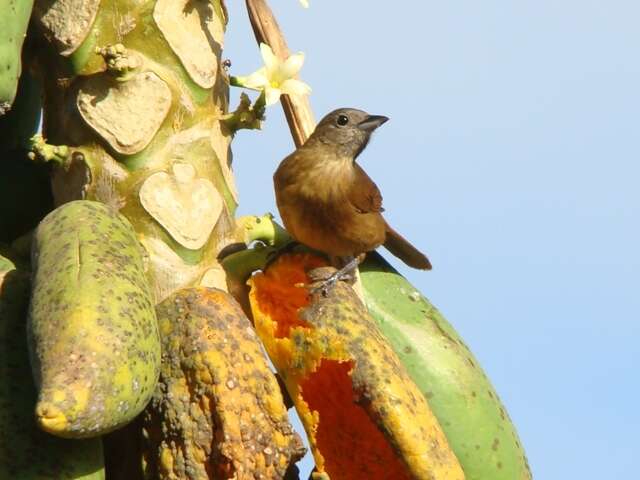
x=461, y=396
x=364, y=416
x=26, y=452
x=218, y=411
x=93, y=334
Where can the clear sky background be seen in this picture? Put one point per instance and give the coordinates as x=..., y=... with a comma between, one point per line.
x=511, y=158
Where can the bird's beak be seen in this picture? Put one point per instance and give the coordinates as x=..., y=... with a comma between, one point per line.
x=372, y=122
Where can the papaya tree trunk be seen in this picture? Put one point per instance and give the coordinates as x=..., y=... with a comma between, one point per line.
x=134, y=96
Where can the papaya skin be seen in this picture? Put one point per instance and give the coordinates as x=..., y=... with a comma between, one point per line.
x=463, y=399
x=92, y=329
x=13, y=28
x=218, y=411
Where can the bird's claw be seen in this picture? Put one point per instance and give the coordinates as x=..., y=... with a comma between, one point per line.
x=326, y=285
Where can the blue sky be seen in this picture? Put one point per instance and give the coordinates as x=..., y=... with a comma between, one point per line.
x=512, y=159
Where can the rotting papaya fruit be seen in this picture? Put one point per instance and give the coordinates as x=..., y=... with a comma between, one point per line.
x=26, y=452
x=93, y=334
x=218, y=411
x=364, y=416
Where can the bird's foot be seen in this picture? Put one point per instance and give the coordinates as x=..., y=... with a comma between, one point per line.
x=346, y=273
x=326, y=285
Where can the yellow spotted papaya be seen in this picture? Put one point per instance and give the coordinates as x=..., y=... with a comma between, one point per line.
x=92, y=330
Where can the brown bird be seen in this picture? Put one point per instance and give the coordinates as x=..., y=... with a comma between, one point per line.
x=328, y=202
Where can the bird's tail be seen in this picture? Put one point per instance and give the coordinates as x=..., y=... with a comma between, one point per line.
x=401, y=248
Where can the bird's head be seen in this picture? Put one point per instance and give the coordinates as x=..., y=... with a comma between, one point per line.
x=347, y=129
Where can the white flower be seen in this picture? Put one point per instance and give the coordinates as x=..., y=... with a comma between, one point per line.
x=305, y=3
x=277, y=77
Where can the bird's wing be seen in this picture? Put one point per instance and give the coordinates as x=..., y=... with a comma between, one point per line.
x=364, y=194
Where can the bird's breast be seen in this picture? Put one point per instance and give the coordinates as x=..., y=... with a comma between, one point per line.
x=327, y=180
x=316, y=209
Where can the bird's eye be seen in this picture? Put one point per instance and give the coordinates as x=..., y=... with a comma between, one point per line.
x=342, y=120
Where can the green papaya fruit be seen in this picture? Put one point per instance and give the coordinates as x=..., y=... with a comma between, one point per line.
x=461, y=396
x=14, y=21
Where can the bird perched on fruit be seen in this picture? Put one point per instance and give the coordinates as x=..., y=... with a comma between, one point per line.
x=328, y=202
